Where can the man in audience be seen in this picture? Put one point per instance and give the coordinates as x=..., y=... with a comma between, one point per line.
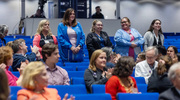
x=57, y=75
x=98, y=13
x=146, y=67
x=3, y=32
x=174, y=92
x=20, y=49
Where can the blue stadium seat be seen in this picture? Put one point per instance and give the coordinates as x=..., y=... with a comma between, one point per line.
x=77, y=81
x=142, y=88
x=22, y=37
x=93, y=97
x=17, y=74
x=140, y=80
x=14, y=90
x=76, y=74
x=70, y=89
x=81, y=68
x=143, y=96
x=98, y=88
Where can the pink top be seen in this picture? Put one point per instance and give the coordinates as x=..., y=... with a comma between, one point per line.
x=11, y=78
x=131, y=50
x=72, y=36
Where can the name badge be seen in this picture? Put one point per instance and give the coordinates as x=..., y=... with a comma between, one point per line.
x=46, y=41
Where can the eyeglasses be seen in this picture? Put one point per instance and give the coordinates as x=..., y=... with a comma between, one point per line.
x=124, y=22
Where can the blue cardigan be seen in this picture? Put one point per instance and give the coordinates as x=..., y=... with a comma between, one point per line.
x=122, y=39
x=64, y=42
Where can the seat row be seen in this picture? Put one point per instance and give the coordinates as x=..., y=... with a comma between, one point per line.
x=79, y=91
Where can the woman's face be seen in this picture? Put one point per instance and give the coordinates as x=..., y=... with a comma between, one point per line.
x=138, y=59
x=42, y=79
x=157, y=25
x=72, y=16
x=100, y=62
x=10, y=62
x=46, y=26
x=125, y=24
x=99, y=26
x=171, y=52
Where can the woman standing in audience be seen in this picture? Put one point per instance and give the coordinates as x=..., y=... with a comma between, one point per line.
x=43, y=35
x=172, y=52
x=35, y=81
x=6, y=60
x=154, y=36
x=159, y=81
x=71, y=37
x=128, y=40
x=122, y=81
x=97, y=72
x=4, y=87
x=97, y=38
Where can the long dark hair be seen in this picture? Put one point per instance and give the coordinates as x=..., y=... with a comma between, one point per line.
x=4, y=91
x=66, y=17
x=151, y=26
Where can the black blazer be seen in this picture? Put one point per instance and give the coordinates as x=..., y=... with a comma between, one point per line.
x=93, y=42
x=170, y=94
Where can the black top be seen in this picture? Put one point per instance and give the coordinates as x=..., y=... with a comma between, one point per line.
x=158, y=83
x=98, y=16
x=93, y=77
x=170, y=94
x=44, y=40
x=93, y=42
x=155, y=42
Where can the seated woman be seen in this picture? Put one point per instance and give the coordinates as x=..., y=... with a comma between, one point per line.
x=121, y=81
x=172, y=52
x=97, y=38
x=4, y=93
x=35, y=81
x=159, y=81
x=97, y=73
x=6, y=60
x=43, y=35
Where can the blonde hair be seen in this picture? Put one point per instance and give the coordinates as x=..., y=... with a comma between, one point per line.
x=95, y=55
x=40, y=27
x=94, y=24
x=31, y=70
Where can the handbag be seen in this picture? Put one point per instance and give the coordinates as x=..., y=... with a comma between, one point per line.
x=78, y=57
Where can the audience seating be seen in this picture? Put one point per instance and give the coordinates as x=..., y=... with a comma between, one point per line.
x=140, y=80
x=17, y=74
x=93, y=97
x=142, y=88
x=77, y=80
x=143, y=96
x=14, y=90
x=98, y=88
x=76, y=74
x=70, y=89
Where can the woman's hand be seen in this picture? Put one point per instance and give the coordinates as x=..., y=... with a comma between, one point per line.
x=3, y=66
x=133, y=45
x=71, y=98
x=73, y=49
x=77, y=49
x=109, y=72
x=23, y=65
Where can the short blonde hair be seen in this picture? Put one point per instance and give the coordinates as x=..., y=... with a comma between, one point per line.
x=95, y=55
x=31, y=70
x=94, y=24
x=40, y=27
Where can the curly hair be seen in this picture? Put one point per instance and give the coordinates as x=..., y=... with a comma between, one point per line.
x=6, y=54
x=124, y=67
x=162, y=68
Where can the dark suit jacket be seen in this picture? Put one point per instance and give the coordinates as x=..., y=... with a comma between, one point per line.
x=93, y=43
x=170, y=94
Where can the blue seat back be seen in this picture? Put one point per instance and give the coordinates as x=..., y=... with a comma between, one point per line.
x=143, y=96
x=98, y=88
x=93, y=97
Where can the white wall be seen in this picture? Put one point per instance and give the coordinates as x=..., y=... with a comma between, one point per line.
x=140, y=12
